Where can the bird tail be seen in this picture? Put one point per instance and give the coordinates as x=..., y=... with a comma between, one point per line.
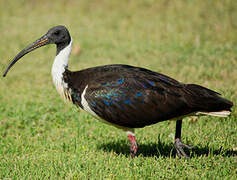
x=207, y=102
x=218, y=113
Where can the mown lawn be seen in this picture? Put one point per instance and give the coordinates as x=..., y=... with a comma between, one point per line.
x=42, y=137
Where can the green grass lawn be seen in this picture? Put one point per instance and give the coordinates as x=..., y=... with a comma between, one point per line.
x=42, y=137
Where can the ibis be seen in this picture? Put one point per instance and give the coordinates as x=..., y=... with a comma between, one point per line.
x=127, y=97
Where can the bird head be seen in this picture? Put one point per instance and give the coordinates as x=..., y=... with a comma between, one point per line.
x=58, y=35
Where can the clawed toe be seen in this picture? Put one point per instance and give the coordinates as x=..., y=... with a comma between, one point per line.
x=179, y=148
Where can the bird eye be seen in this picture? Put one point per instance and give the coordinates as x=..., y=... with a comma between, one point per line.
x=56, y=33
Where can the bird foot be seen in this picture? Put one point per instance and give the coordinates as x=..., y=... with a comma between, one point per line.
x=133, y=145
x=179, y=148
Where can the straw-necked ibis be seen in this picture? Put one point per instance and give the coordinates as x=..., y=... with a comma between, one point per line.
x=124, y=96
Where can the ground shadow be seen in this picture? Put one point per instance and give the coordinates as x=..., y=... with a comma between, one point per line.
x=161, y=149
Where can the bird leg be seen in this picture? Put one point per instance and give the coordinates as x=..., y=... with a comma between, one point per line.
x=178, y=143
x=133, y=144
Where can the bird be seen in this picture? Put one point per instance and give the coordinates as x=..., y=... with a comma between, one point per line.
x=125, y=96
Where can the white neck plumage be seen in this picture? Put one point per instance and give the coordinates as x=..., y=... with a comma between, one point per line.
x=59, y=66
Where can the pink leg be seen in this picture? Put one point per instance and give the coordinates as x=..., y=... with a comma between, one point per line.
x=133, y=145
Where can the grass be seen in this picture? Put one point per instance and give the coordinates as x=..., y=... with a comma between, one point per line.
x=41, y=137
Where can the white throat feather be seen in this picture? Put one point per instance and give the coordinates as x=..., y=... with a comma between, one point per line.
x=59, y=65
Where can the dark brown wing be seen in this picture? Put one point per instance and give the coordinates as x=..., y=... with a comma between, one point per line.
x=135, y=97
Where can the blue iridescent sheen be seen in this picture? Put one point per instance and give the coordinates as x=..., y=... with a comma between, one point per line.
x=151, y=83
x=138, y=94
x=120, y=81
x=123, y=91
x=75, y=96
x=93, y=103
x=164, y=79
x=128, y=101
x=144, y=86
x=107, y=96
x=107, y=102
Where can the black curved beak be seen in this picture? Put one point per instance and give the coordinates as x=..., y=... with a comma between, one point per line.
x=38, y=43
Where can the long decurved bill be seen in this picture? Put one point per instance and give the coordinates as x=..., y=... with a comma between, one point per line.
x=38, y=43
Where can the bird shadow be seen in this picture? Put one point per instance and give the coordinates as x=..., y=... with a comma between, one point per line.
x=161, y=149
